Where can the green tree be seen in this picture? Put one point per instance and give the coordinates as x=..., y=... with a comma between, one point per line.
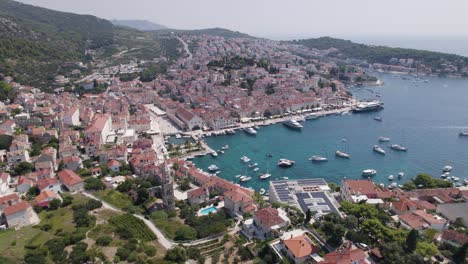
x=185, y=232
x=412, y=241
x=177, y=254
x=460, y=255
x=54, y=204
x=427, y=249
x=185, y=184
x=23, y=168
x=308, y=216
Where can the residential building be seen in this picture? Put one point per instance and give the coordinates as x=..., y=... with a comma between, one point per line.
x=198, y=195
x=299, y=249
x=453, y=211
x=420, y=220
x=44, y=198
x=236, y=203
x=72, y=117
x=19, y=215
x=358, y=190
x=347, y=255
x=71, y=180
x=269, y=221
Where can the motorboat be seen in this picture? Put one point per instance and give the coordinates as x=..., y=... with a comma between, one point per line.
x=368, y=106
x=245, y=178
x=285, y=163
x=463, y=134
x=230, y=132
x=391, y=177
x=312, y=116
x=445, y=175
x=318, y=159
x=401, y=175
x=378, y=149
x=245, y=159
x=447, y=168
x=369, y=172
x=214, y=154
x=269, y=155
x=300, y=119
x=384, y=139
x=378, y=118
x=265, y=176
x=257, y=127
x=393, y=185
x=285, y=178
x=342, y=154
x=398, y=147
x=256, y=169
x=262, y=191
x=225, y=147
x=250, y=131
x=213, y=167
x=292, y=123
x=455, y=178
x=253, y=165
x=238, y=176
x=465, y=181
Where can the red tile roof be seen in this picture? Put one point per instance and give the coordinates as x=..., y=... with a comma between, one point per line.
x=345, y=256
x=454, y=236
x=13, y=209
x=196, y=193
x=268, y=217
x=69, y=178
x=9, y=198
x=44, y=183
x=44, y=195
x=300, y=246
x=364, y=187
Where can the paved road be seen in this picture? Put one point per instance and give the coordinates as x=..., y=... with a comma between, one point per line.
x=163, y=240
x=186, y=48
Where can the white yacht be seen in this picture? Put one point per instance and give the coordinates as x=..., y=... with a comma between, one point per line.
x=378, y=118
x=393, y=185
x=369, y=172
x=256, y=169
x=312, y=116
x=253, y=165
x=368, y=106
x=214, y=154
x=245, y=178
x=245, y=159
x=378, y=149
x=213, y=167
x=285, y=163
x=300, y=119
x=463, y=134
x=342, y=154
x=445, y=175
x=384, y=139
x=398, y=147
x=292, y=123
x=391, y=177
x=225, y=147
x=401, y=175
x=265, y=176
x=318, y=159
x=447, y=168
x=465, y=181
x=250, y=131
x=455, y=178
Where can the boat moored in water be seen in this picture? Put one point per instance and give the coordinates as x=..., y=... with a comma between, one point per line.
x=213, y=167
x=250, y=131
x=378, y=149
x=369, y=172
x=463, y=134
x=391, y=177
x=214, y=154
x=368, y=106
x=378, y=118
x=253, y=165
x=318, y=159
x=285, y=163
x=401, y=175
x=245, y=159
x=447, y=168
x=262, y=191
x=398, y=147
x=245, y=178
x=384, y=139
x=292, y=123
x=265, y=176
x=342, y=154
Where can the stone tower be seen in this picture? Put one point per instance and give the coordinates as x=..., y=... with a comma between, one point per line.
x=167, y=188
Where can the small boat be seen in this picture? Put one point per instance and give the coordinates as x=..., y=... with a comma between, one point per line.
x=256, y=169
x=445, y=175
x=269, y=155
x=262, y=191
x=285, y=178
x=390, y=178
x=312, y=116
x=398, y=147
x=250, y=131
x=447, y=168
x=300, y=119
x=292, y=123
x=463, y=134
x=378, y=118
x=379, y=150
x=225, y=147
x=218, y=172
x=245, y=159
x=214, y=154
x=455, y=178
x=285, y=163
x=253, y=165
x=265, y=176
x=238, y=176
x=221, y=151
x=384, y=139
x=401, y=175
x=213, y=167
x=393, y=185
x=344, y=140
x=369, y=172
x=257, y=127
x=245, y=178
x=465, y=181
x=318, y=159
x=342, y=154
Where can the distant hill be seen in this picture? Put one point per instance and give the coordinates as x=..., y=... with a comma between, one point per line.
x=383, y=54
x=38, y=43
x=222, y=32
x=143, y=25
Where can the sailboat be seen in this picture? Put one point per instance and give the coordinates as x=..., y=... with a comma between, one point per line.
x=266, y=175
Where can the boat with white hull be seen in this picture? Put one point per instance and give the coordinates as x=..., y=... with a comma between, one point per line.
x=292, y=123
x=379, y=150
x=342, y=154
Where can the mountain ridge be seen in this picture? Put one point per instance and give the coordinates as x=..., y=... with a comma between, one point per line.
x=143, y=25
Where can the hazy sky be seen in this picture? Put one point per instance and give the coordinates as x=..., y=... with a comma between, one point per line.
x=287, y=18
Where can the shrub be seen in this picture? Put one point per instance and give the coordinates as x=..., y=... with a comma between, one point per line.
x=104, y=241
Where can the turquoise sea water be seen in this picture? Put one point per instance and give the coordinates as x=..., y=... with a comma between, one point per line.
x=424, y=117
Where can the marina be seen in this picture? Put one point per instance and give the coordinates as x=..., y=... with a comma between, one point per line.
x=415, y=125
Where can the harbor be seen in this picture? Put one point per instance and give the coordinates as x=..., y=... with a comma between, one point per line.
x=431, y=139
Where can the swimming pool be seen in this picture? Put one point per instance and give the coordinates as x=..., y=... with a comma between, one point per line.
x=208, y=210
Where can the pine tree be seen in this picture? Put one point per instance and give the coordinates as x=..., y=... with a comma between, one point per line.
x=412, y=240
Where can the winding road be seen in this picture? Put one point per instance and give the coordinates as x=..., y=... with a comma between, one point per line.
x=186, y=48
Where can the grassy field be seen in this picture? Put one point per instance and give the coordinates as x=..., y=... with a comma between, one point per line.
x=115, y=198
